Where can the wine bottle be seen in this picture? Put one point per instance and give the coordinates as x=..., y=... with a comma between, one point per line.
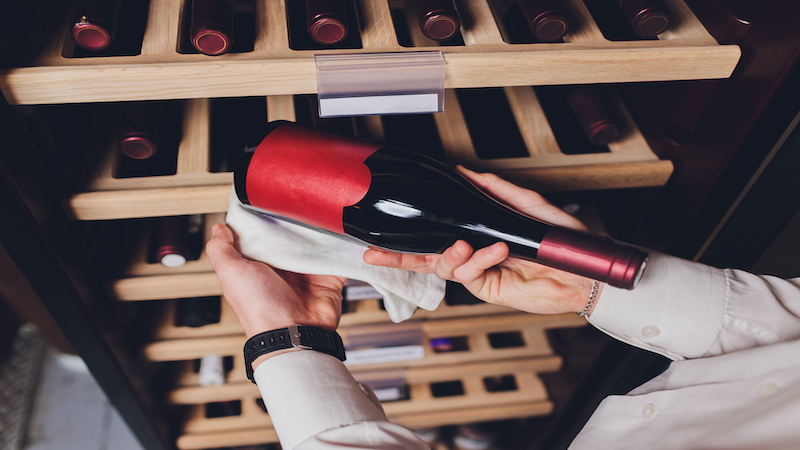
x=211, y=28
x=139, y=133
x=403, y=201
x=546, y=18
x=171, y=240
x=437, y=19
x=95, y=23
x=197, y=312
x=599, y=125
x=326, y=21
x=648, y=18
x=476, y=436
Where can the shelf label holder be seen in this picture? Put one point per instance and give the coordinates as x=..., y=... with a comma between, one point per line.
x=380, y=83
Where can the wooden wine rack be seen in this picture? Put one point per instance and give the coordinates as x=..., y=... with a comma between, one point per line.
x=528, y=397
x=476, y=330
x=195, y=190
x=685, y=51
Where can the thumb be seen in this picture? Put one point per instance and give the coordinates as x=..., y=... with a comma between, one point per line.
x=220, y=247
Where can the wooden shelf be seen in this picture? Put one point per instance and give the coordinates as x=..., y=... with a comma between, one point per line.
x=193, y=189
x=527, y=398
x=686, y=51
x=530, y=330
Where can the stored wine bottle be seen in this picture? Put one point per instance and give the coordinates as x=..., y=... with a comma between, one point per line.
x=597, y=121
x=95, y=23
x=476, y=436
x=211, y=29
x=139, y=134
x=171, y=240
x=197, y=312
x=326, y=21
x=406, y=202
x=648, y=18
x=211, y=372
x=546, y=18
x=437, y=19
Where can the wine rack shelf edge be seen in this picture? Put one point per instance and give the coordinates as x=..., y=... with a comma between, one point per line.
x=686, y=51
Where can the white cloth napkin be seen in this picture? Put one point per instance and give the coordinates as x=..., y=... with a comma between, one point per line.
x=299, y=249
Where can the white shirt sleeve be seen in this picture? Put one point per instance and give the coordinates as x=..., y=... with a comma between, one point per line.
x=682, y=309
x=315, y=403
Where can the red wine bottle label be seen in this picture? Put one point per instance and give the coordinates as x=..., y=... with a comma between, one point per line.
x=303, y=174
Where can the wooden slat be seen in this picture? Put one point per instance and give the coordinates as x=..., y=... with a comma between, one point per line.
x=477, y=23
x=375, y=23
x=166, y=287
x=161, y=33
x=532, y=122
x=685, y=52
x=583, y=28
x=195, y=142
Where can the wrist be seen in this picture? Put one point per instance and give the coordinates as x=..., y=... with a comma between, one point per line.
x=594, y=289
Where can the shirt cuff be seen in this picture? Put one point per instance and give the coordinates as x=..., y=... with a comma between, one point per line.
x=308, y=392
x=676, y=310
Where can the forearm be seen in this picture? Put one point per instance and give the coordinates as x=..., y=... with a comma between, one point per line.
x=684, y=309
x=314, y=402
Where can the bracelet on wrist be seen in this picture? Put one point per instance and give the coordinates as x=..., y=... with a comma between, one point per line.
x=592, y=298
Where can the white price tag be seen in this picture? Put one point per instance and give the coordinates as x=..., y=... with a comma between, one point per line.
x=364, y=292
x=384, y=355
x=379, y=104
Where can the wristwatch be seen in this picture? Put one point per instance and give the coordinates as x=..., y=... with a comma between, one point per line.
x=296, y=336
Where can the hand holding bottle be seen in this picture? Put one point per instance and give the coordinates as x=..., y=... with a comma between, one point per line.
x=265, y=298
x=489, y=273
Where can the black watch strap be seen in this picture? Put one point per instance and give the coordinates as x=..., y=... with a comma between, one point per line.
x=300, y=336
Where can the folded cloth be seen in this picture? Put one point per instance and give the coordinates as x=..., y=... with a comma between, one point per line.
x=295, y=248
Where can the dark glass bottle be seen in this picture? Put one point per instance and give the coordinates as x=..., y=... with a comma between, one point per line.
x=403, y=201
x=546, y=19
x=326, y=21
x=197, y=312
x=171, y=245
x=597, y=121
x=211, y=29
x=437, y=19
x=95, y=23
x=139, y=133
x=648, y=18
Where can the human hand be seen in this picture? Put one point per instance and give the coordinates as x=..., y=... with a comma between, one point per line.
x=265, y=298
x=489, y=273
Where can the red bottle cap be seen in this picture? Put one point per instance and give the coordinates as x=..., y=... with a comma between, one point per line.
x=651, y=22
x=549, y=26
x=137, y=146
x=211, y=42
x=90, y=36
x=328, y=30
x=440, y=27
x=602, y=132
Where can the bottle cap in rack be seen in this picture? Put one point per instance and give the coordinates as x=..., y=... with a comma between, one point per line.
x=440, y=27
x=651, y=22
x=211, y=41
x=137, y=146
x=328, y=30
x=91, y=35
x=170, y=257
x=550, y=26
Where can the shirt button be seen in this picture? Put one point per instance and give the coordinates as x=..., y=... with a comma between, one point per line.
x=650, y=331
x=649, y=411
x=767, y=389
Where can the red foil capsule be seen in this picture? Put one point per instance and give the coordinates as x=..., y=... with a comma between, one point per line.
x=599, y=125
x=621, y=266
x=171, y=240
x=546, y=19
x=139, y=133
x=95, y=23
x=326, y=21
x=648, y=18
x=212, y=26
x=437, y=19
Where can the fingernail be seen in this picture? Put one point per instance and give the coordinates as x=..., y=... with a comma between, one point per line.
x=215, y=229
